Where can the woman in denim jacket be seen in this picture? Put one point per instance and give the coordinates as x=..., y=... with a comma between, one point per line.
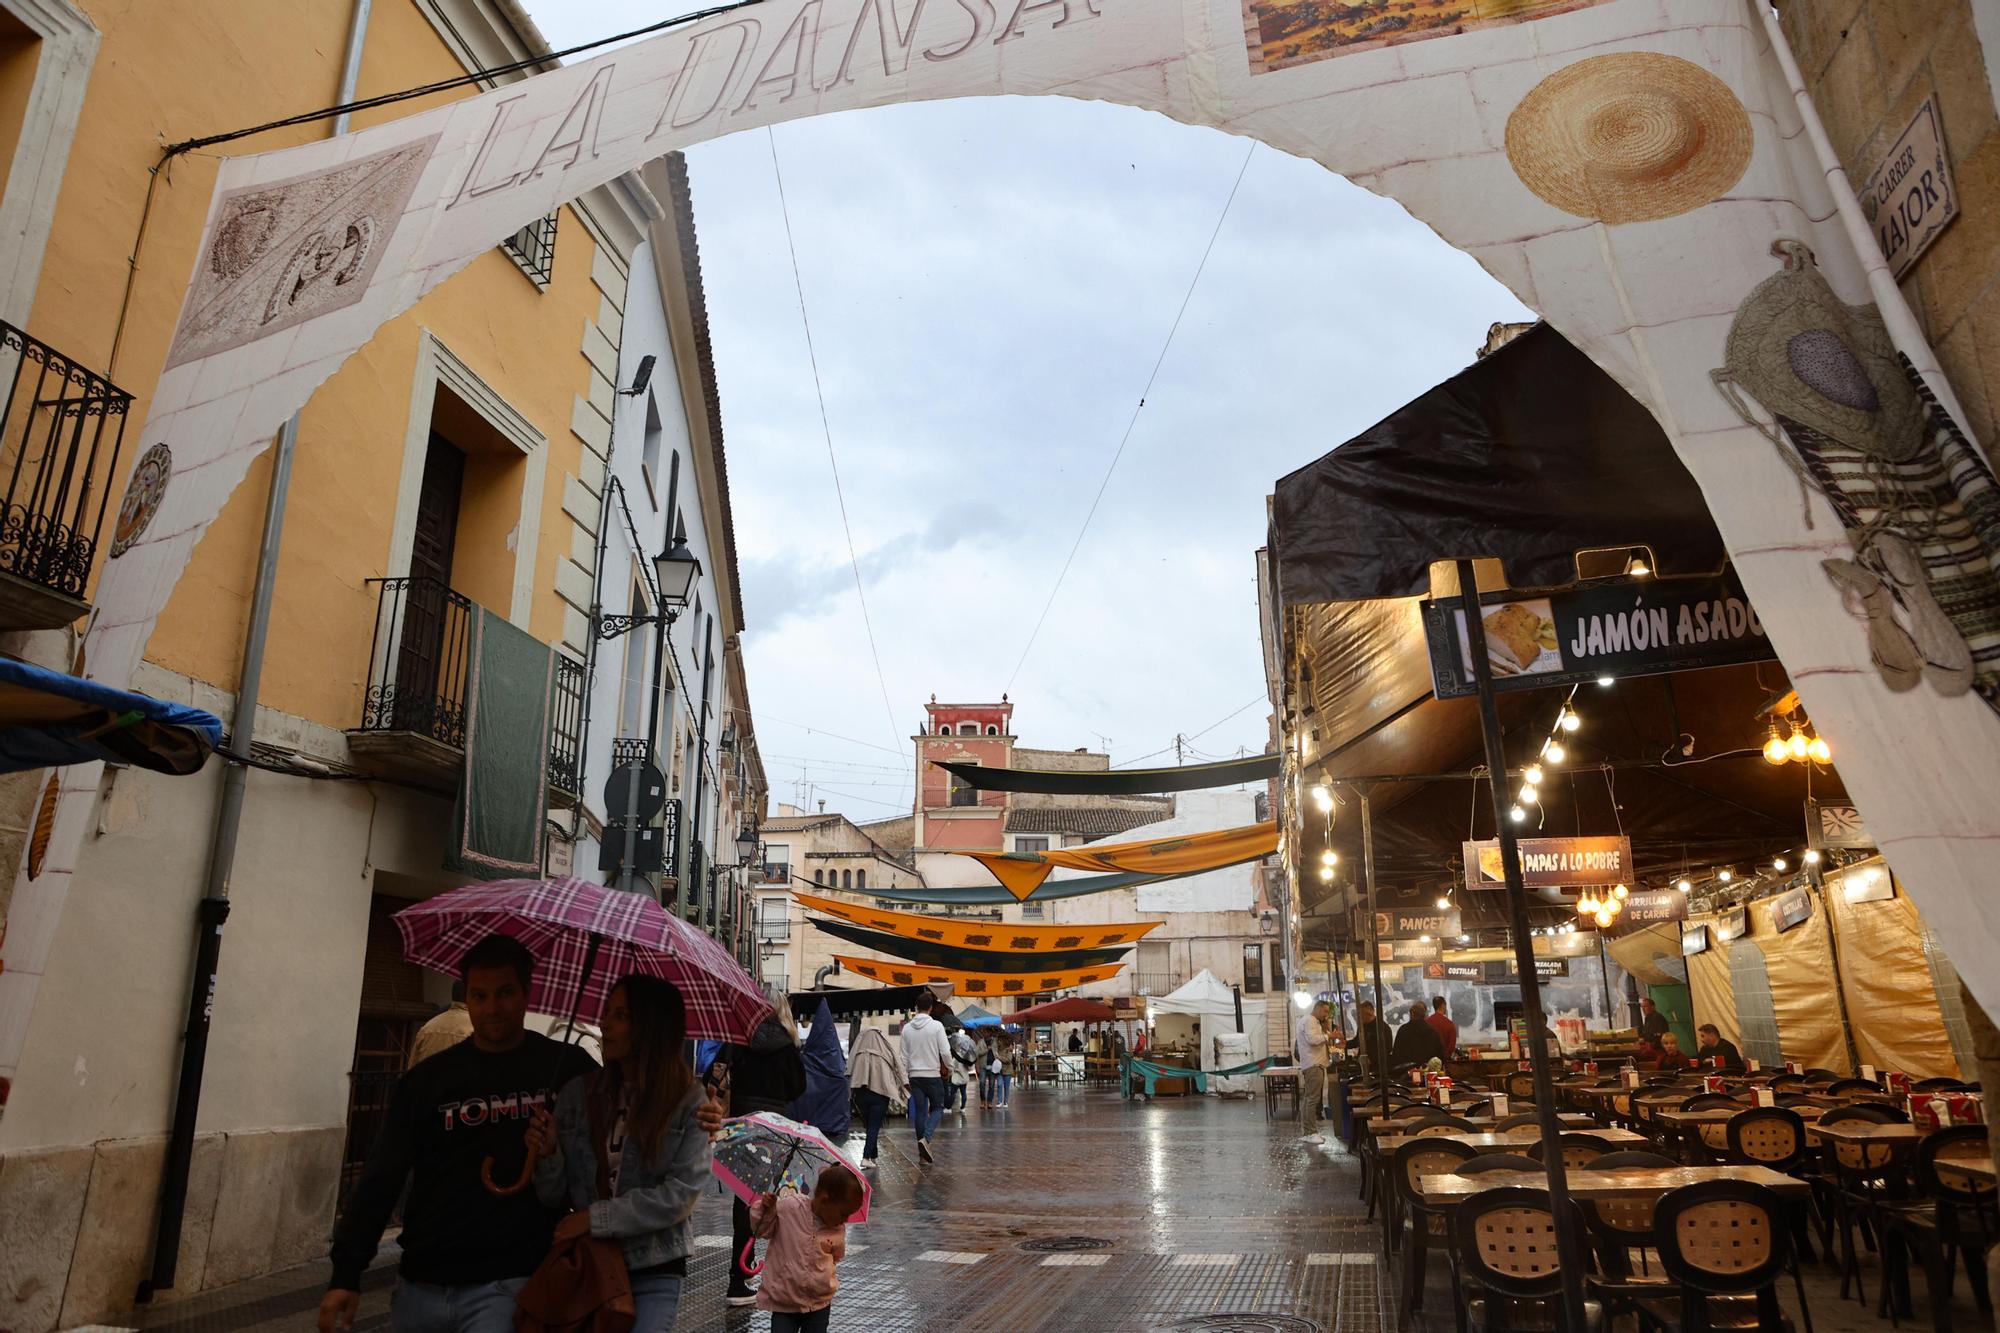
x=626, y=1148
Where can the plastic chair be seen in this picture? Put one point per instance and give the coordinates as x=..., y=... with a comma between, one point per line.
x=1770, y=1136
x=1723, y=1242
x=1429, y=1227
x=1505, y=1240
x=1519, y=1120
x=1447, y=1124
x=1499, y=1161
x=1620, y=1226
x=1938, y=1085
x=1823, y=1076
x=1578, y=1150
x=1955, y=1219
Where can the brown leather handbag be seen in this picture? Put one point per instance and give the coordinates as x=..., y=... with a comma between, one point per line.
x=582, y=1286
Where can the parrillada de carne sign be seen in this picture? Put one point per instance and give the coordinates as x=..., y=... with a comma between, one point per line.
x=1630, y=626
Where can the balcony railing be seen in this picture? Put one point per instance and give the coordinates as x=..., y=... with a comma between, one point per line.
x=61, y=432
x=1156, y=983
x=774, y=932
x=566, y=729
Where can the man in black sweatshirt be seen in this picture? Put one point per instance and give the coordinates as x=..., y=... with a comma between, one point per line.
x=466, y=1251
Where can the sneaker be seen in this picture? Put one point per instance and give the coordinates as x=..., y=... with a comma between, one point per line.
x=924, y=1150
x=742, y=1296
x=1312, y=1138
x=868, y=1163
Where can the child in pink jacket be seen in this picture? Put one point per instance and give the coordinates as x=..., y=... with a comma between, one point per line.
x=808, y=1238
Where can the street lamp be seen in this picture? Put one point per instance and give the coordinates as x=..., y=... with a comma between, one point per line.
x=677, y=568
x=746, y=846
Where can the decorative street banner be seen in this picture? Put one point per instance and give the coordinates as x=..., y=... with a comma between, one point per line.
x=1409, y=923
x=1608, y=627
x=1643, y=174
x=1652, y=907
x=1552, y=863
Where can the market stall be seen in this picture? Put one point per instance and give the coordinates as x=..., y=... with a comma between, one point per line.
x=1187, y=1021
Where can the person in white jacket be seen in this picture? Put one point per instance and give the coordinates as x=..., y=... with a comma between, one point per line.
x=926, y=1064
x=1311, y=1039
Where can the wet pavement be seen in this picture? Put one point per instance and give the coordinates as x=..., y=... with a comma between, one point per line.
x=1070, y=1210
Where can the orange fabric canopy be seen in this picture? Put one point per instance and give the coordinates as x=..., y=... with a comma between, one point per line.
x=1023, y=872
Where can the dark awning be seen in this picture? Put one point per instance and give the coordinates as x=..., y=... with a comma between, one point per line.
x=861, y=1002
x=1527, y=457
x=952, y=958
x=1120, y=782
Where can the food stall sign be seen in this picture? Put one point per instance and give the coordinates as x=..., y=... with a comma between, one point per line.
x=1694, y=940
x=1473, y=972
x=1631, y=626
x=1791, y=909
x=1410, y=951
x=1732, y=925
x=1653, y=907
x=1409, y=923
x=1552, y=863
x=1505, y=973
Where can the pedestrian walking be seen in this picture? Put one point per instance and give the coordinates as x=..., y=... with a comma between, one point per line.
x=877, y=1081
x=989, y=1072
x=926, y=1061
x=1311, y=1038
x=1010, y=1069
x=624, y=1149
x=808, y=1240
x=769, y=1074
x=963, y=1057
x=466, y=1252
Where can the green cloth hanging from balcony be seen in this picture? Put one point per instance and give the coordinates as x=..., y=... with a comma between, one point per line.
x=498, y=819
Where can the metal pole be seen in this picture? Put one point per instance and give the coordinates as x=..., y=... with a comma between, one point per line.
x=1604, y=978
x=1569, y=1245
x=214, y=907
x=1374, y=949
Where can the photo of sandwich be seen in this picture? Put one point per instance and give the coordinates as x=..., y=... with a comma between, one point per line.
x=1520, y=639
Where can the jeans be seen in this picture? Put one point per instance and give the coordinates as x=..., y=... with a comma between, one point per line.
x=1312, y=1090
x=987, y=1083
x=874, y=1108
x=484, y=1307
x=1006, y=1082
x=813, y=1321
x=927, y=1096
x=656, y=1298
x=955, y=1095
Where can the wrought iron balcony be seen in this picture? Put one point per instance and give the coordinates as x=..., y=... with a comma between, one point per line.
x=62, y=430
x=774, y=931
x=414, y=714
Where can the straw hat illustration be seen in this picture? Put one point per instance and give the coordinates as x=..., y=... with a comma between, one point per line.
x=1630, y=137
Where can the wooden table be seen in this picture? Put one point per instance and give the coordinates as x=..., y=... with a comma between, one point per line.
x=1281, y=1081
x=1569, y=1120
x=1959, y=1166
x=1722, y=1115
x=1502, y=1141
x=1443, y=1189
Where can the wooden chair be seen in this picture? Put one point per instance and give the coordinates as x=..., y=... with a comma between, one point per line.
x=1446, y=1124
x=1430, y=1228
x=1782, y=1081
x=1823, y=1076
x=1774, y=1137
x=1520, y=1086
x=1938, y=1085
x=1850, y=1086
x=1866, y=1176
x=1954, y=1219
x=1723, y=1243
x=1505, y=1242
x=1499, y=1161
x=1578, y=1150
x=1519, y=1120
x=1618, y=1227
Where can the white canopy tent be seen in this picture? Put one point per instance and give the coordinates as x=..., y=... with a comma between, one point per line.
x=1208, y=1001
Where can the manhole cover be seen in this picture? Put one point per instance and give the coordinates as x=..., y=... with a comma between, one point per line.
x=1065, y=1244
x=1247, y=1323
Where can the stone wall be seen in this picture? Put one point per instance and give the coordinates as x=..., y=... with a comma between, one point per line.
x=76, y=1224
x=1870, y=64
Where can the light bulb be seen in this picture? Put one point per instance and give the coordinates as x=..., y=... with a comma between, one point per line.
x=1638, y=568
x=1570, y=721
x=1606, y=682
x=1603, y=919
x=1821, y=752
x=1533, y=777
x=1619, y=891
x=1465, y=939
x=1444, y=903
x=1685, y=886
x=1811, y=857
x=1570, y=928
x=1725, y=876
x=1423, y=939
x=1529, y=796
x=1321, y=796
x=1302, y=999
x=1779, y=863
x=1329, y=857
x=1517, y=814
x=1797, y=744
x=1326, y=874
x=1587, y=905
x=1552, y=752
x=1775, y=750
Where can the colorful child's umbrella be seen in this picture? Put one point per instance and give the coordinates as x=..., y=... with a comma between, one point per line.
x=763, y=1153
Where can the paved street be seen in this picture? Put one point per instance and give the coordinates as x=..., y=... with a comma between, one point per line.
x=1072, y=1210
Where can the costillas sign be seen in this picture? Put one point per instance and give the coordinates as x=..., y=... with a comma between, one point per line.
x=1408, y=923
x=1473, y=972
x=1552, y=863
x=1617, y=627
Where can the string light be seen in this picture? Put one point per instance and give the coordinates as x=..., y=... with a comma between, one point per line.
x=1799, y=745
x=1725, y=876
x=1326, y=874
x=1533, y=777
x=1553, y=752
x=1776, y=752
x=1820, y=751
x=1444, y=902
x=1620, y=892
x=1811, y=857
x=1606, y=682
x=1779, y=864
x=1517, y=814
x=1796, y=748
x=1587, y=905
x=1570, y=721
x=1329, y=857
x=1685, y=886
x=1530, y=796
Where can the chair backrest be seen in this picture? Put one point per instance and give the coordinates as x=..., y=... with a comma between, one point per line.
x=1444, y=1125
x=1519, y=1120
x=1621, y=1105
x=1631, y=1159
x=1772, y=1136
x=1714, y=1137
x=1822, y=1076
x=1521, y=1085
x=1472, y=1108
x=1499, y=1161
x=1783, y=1081
x=1578, y=1150
x=1506, y=1241
x=1937, y=1085
x=1425, y=1157
x=1957, y=1143
x=1842, y=1087
x=1870, y=1159
x=1710, y=1101
x=1873, y=1113
x=1793, y=1099
x=1722, y=1237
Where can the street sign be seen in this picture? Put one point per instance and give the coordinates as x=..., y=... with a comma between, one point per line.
x=1909, y=198
x=1552, y=863
x=619, y=794
x=647, y=849
x=1633, y=626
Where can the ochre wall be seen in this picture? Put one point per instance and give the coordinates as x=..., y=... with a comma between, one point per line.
x=522, y=341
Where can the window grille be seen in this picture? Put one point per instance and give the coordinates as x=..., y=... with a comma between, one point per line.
x=534, y=249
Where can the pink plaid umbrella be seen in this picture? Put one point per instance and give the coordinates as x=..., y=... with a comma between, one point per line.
x=584, y=938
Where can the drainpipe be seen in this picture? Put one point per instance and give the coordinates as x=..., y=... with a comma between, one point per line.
x=213, y=910
x=1904, y=330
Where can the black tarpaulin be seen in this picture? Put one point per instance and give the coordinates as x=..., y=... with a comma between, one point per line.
x=860, y=1002
x=951, y=958
x=1122, y=782
x=1528, y=456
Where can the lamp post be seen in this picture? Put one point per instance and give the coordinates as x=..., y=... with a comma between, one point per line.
x=675, y=571
x=746, y=916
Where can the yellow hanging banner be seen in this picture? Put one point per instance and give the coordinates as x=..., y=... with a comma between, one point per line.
x=1023, y=872
x=974, y=983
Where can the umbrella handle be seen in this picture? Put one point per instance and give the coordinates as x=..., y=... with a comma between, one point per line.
x=744, y=1261
x=502, y=1191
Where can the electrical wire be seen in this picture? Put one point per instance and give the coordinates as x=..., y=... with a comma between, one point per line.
x=1127, y=763
x=826, y=429
x=1124, y=439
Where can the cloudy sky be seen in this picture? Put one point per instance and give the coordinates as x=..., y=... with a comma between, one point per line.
x=990, y=283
